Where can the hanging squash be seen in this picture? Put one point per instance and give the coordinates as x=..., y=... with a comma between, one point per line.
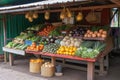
x=27, y=15
x=35, y=15
x=79, y=17
x=47, y=15
x=69, y=14
x=30, y=19
x=63, y=13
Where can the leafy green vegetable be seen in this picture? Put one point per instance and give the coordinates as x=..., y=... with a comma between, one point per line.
x=86, y=51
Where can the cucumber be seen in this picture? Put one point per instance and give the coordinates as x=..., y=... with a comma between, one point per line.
x=17, y=47
x=15, y=44
x=24, y=47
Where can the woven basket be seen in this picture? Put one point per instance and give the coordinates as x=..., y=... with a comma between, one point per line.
x=35, y=67
x=91, y=17
x=47, y=71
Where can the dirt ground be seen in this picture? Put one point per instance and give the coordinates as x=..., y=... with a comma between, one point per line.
x=20, y=71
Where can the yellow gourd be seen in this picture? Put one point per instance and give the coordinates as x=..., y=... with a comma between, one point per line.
x=30, y=19
x=47, y=15
x=63, y=13
x=79, y=17
x=27, y=15
x=35, y=15
x=69, y=14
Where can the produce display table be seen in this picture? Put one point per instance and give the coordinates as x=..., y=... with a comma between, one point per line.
x=90, y=62
x=11, y=52
x=19, y=52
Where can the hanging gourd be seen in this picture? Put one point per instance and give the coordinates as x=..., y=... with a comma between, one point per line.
x=30, y=19
x=27, y=15
x=79, y=17
x=35, y=15
x=63, y=13
x=69, y=14
x=47, y=15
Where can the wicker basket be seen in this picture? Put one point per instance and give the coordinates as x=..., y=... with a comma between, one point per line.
x=35, y=67
x=47, y=71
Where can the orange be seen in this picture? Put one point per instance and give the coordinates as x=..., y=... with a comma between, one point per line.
x=70, y=53
x=66, y=49
x=73, y=53
x=62, y=49
x=58, y=51
x=70, y=50
x=74, y=48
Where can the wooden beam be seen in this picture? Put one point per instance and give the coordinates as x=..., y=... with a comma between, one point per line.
x=22, y=11
x=116, y=2
x=85, y=8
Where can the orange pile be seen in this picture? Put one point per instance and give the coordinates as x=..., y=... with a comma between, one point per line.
x=35, y=47
x=66, y=50
x=36, y=60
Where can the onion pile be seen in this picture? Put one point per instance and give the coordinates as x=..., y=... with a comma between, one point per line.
x=96, y=34
x=47, y=64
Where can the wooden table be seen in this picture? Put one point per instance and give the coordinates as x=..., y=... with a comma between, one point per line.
x=11, y=52
x=90, y=62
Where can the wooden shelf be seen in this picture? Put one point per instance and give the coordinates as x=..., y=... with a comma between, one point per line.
x=64, y=56
x=100, y=39
x=15, y=51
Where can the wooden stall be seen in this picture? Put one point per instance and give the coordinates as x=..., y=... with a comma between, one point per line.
x=75, y=6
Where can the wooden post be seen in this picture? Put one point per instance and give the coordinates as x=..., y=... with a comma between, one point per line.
x=90, y=71
x=5, y=38
x=53, y=60
x=107, y=62
x=101, y=61
x=11, y=59
x=63, y=61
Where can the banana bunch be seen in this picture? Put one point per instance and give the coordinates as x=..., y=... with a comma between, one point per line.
x=31, y=15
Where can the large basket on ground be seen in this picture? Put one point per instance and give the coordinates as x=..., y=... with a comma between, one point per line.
x=47, y=70
x=35, y=65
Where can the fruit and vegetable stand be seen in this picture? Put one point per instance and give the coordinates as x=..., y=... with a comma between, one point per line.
x=88, y=44
x=88, y=49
